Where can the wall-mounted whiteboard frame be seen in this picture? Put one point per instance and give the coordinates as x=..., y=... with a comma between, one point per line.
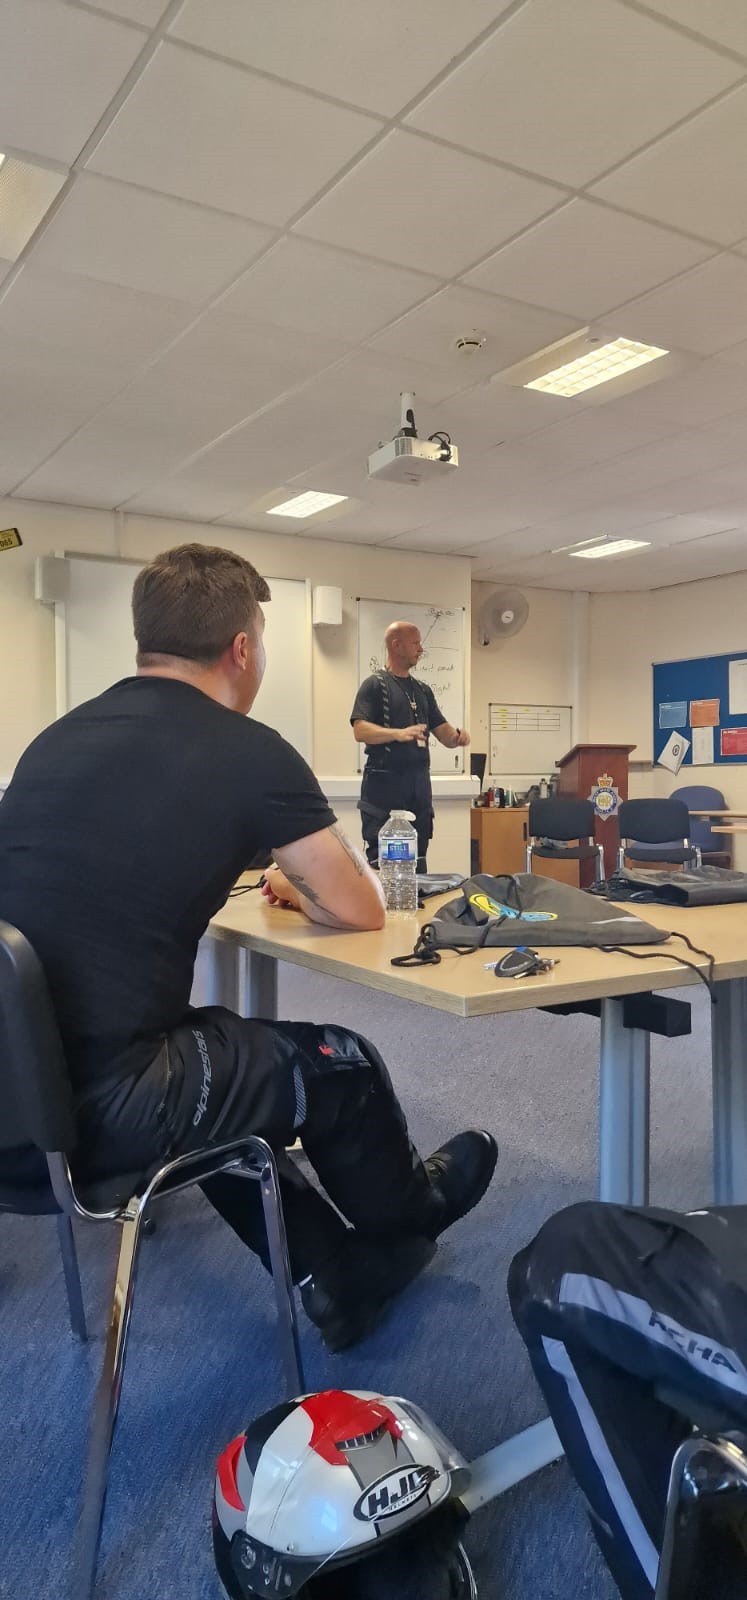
x=95, y=646
x=527, y=741
x=442, y=666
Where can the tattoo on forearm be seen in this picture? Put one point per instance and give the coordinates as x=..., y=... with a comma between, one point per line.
x=310, y=894
x=349, y=848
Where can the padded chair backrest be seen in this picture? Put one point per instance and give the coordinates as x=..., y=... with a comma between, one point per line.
x=561, y=819
x=698, y=797
x=654, y=821
x=36, y=1102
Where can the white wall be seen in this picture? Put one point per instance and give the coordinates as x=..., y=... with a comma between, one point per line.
x=27, y=657
x=629, y=632
x=535, y=667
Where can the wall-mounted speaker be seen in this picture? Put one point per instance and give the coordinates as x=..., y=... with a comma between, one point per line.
x=50, y=578
x=326, y=606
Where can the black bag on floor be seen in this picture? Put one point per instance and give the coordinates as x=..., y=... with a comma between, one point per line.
x=527, y=909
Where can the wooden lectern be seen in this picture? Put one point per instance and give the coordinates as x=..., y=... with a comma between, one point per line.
x=591, y=772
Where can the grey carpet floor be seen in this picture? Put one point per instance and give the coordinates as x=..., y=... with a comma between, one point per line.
x=201, y=1360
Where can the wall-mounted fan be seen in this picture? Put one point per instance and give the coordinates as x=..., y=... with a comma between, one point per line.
x=502, y=615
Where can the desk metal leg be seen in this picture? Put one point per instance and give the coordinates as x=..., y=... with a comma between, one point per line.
x=220, y=975
x=624, y=1081
x=729, y=1036
x=509, y=1463
x=262, y=987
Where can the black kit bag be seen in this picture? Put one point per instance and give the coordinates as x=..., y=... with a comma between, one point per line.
x=693, y=886
x=527, y=909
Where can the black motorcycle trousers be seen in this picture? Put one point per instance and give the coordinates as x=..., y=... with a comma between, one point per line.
x=219, y=1076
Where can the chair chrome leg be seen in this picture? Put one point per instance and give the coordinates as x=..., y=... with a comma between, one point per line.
x=702, y=1466
x=72, y=1276
x=105, y=1408
x=290, y=1344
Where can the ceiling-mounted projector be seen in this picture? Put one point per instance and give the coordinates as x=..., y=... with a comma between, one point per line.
x=408, y=459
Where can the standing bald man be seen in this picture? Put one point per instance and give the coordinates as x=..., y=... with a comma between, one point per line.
x=393, y=716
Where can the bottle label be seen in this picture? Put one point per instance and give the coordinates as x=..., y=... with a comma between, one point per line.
x=397, y=850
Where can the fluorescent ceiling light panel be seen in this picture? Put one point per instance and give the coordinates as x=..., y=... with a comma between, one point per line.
x=597, y=366
x=306, y=505
x=612, y=547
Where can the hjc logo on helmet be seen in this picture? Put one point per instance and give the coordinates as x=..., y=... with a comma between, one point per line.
x=393, y=1493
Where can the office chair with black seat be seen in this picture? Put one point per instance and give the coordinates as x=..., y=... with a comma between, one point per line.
x=656, y=830
x=37, y=1110
x=553, y=824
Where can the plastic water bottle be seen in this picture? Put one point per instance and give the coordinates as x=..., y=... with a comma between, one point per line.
x=398, y=862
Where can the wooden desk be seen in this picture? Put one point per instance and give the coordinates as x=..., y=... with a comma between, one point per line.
x=248, y=938
x=728, y=812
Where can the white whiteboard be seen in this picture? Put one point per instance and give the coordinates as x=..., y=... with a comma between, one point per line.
x=527, y=741
x=441, y=665
x=96, y=645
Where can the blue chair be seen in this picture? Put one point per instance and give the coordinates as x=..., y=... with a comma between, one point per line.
x=714, y=847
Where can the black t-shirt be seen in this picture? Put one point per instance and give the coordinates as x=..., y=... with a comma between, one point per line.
x=396, y=703
x=123, y=829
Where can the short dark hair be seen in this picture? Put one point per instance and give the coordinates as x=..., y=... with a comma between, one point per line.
x=191, y=602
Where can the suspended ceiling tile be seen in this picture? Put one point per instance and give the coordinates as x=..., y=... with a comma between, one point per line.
x=59, y=69
x=566, y=91
x=183, y=250
x=482, y=418
x=589, y=437
x=712, y=389
x=585, y=259
x=146, y=12
x=43, y=399
x=704, y=311
x=722, y=21
x=693, y=179
x=511, y=332
x=118, y=454
x=421, y=205
x=378, y=56
x=212, y=132
x=271, y=449
x=437, y=534
x=90, y=321
x=247, y=360
x=321, y=290
x=375, y=523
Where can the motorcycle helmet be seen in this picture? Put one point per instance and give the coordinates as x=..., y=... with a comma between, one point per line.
x=342, y=1495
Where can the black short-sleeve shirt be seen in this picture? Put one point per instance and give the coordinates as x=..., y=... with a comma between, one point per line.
x=409, y=700
x=123, y=829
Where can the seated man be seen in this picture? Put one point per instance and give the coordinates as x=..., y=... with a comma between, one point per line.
x=636, y=1326
x=123, y=829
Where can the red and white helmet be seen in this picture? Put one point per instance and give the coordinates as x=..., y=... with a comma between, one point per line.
x=330, y=1479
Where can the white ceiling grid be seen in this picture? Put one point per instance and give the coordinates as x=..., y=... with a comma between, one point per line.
x=234, y=231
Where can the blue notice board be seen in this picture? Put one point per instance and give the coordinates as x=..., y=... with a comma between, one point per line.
x=677, y=684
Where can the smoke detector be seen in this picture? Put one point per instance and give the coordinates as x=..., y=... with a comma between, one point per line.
x=468, y=344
